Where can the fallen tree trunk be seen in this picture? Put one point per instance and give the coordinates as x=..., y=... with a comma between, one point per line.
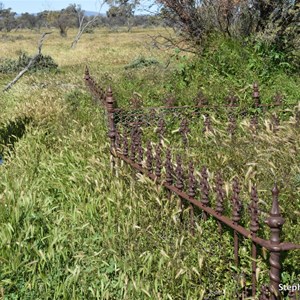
x=30, y=64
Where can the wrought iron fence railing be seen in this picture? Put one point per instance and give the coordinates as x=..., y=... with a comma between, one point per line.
x=148, y=140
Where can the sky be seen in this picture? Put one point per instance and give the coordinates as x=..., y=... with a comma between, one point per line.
x=35, y=6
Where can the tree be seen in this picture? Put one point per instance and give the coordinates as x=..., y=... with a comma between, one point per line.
x=82, y=25
x=197, y=19
x=64, y=19
x=121, y=12
x=27, y=20
x=7, y=18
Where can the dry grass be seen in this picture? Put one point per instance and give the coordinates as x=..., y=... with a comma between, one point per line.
x=69, y=229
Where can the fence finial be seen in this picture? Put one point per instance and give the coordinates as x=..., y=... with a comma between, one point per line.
x=256, y=96
x=110, y=105
x=179, y=173
x=192, y=193
x=158, y=161
x=254, y=225
x=220, y=193
x=236, y=216
x=140, y=153
x=192, y=181
x=207, y=123
x=204, y=186
x=149, y=158
x=275, y=222
x=86, y=73
x=169, y=168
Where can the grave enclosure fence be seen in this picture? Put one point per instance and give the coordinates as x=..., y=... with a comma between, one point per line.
x=138, y=136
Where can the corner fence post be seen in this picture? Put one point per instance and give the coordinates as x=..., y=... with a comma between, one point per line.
x=110, y=107
x=275, y=222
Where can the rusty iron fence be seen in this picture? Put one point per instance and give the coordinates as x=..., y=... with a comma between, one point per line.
x=155, y=142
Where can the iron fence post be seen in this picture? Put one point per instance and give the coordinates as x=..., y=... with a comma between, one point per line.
x=110, y=107
x=192, y=193
x=236, y=216
x=254, y=226
x=275, y=222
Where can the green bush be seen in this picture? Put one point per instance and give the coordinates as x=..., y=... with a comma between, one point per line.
x=43, y=62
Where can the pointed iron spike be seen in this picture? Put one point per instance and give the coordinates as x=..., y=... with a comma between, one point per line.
x=179, y=173
x=256, y=95
x=192, y=187
x=254, y=225
x=86, y=73
x=275, y=221
x=204, y=186
x=275, y=204
x=158, y=161
x=220, y=193
x=168, y=166
x=109, y=100
x=140, y=153
x=255, y=87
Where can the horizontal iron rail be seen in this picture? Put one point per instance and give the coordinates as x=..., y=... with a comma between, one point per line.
x=243, y=231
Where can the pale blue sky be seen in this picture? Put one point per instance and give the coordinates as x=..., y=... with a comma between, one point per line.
x=34, y=6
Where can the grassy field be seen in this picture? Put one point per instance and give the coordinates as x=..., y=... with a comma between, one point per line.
x=69, y=228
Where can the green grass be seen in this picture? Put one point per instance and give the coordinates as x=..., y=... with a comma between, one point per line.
x=69, y=228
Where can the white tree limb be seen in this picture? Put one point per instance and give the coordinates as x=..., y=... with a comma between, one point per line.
x=31, y=63
x=82, y=28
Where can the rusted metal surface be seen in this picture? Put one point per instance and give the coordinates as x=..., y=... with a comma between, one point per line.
x=204, y=186
x=155, y=161
x=256, y=95
x=254, y=226
x=96, y=90
x=179, y=183
x=224, y=219
x=220, y=197
x=149, y=158
x=275, y=222
x=110, y=114
x=236, y=216
x=191, y=194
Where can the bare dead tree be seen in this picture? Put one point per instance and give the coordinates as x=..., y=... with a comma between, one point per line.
x=82, y=27
x=30, y=64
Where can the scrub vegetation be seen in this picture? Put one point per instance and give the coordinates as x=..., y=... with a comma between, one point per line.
x=70, y=228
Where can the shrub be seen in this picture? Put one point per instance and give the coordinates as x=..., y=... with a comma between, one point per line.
x=43, y=62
